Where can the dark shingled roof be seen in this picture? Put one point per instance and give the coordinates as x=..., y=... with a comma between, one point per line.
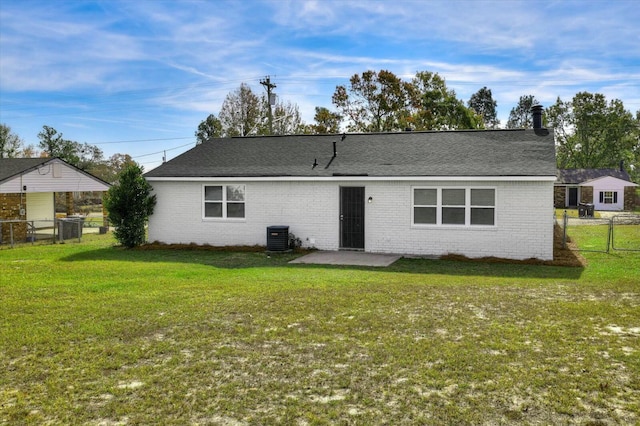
x=577, y=176
x=10, y=167
x=451, y=153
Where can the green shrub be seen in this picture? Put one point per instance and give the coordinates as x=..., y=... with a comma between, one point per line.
x=129, y=203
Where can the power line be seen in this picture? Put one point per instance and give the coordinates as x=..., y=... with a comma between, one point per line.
x=142, y=140
x=164, y=150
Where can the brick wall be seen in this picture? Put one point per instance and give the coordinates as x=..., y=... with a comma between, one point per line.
x=629, y=198
x=559, y=196
x=524, y=223
x=586, y=194
x=524, y=218
x=10, y=210
x=310, y=211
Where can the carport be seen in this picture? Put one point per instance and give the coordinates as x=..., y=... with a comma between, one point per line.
x=27, y=194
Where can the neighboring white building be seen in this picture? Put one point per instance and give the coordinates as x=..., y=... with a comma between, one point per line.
x=27, y=187
x=609, y=192
x=606, y=189
x=475, y=193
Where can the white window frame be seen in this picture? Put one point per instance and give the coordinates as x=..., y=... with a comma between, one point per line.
x=608, y=197
x=437, y=206
x=467, y=207
x=224, y=203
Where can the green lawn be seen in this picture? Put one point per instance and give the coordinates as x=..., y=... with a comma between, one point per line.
x=92, y=334
x=572, y=213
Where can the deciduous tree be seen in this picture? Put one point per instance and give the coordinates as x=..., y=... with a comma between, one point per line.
x=10, y=143
x=593, y=133
x=108, y=170
x=373, y=102
x=382, y=102
x=242, y=113
x=287, y=119
x=83, y=156
x=210, y=127
x=436, y=107
x=325, y=121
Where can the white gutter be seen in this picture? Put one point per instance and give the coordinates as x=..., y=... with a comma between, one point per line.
x=353, y=178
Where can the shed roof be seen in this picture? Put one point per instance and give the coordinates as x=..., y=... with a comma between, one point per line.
x=10, y=167
x=449, y=153
x=577, y=176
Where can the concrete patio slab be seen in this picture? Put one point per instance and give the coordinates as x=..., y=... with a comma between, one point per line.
x=354, y=258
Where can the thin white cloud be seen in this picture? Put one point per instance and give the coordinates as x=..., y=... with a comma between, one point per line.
x=148, y=67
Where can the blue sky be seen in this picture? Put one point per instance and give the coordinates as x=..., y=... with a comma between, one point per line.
x=137, y=77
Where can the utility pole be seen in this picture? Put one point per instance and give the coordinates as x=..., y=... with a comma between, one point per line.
x=266, y=82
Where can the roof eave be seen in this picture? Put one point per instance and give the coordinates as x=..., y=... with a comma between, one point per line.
x=281, y=178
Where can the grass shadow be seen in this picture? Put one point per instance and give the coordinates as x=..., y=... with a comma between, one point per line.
x=260, y=259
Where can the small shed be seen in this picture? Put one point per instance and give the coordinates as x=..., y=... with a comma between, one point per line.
x=27, y=188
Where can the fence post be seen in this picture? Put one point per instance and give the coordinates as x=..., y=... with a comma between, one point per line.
x=610, y=236
x=565, y=220
x=60, y=231
x=11, y=233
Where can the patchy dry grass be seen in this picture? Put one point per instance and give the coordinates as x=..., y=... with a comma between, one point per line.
x=92, y=334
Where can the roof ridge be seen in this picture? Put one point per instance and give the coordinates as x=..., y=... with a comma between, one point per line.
x=395, y=132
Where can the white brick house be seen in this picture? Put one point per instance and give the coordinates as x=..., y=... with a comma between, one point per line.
x=475, y=193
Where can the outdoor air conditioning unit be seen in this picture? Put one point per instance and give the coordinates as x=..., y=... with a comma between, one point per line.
x=277, y=238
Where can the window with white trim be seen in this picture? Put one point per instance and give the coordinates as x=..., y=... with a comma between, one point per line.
x=608, y=197
x=425, y=206
x=483, y=206
x=223, y=201
x=454, y=206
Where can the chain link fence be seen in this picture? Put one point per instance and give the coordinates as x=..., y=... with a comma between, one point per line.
x=618, y=231
x=625, y=232
x=60, y=229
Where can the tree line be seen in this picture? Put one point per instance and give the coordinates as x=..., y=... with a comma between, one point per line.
x=371, y=102
x=590, y=131
x=84, y=156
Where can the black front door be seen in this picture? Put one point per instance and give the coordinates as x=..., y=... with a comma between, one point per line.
x=573, y=197
x=351, y=217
